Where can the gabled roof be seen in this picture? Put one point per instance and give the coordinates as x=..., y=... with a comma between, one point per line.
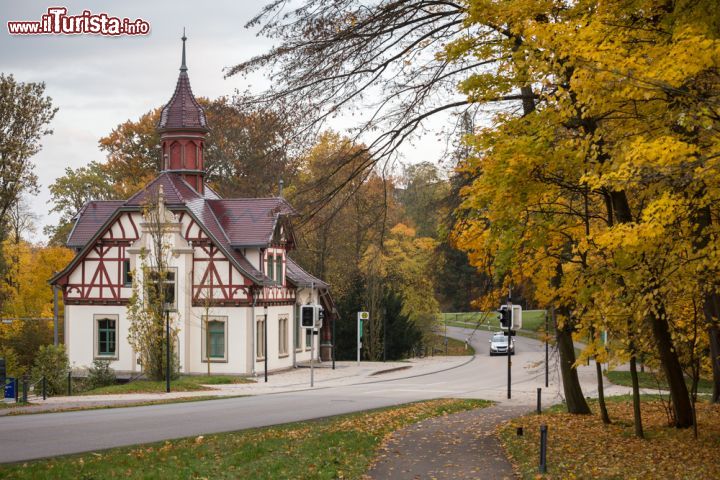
x=175, y=190
x=250, y=222
x=300, y=277
x=243, y=222
x=89, y=220
x=232, y=223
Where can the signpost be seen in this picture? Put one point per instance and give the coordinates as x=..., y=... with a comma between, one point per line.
x=362, y=317
x=510, y=320
x=311, y=318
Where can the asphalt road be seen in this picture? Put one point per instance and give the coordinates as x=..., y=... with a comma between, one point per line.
x=26, y=437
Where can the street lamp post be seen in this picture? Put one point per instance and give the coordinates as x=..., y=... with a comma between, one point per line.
x=509, y=343
x=265, y=350
x=167, y=348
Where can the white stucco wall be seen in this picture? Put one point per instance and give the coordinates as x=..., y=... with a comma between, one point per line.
x=80, y=336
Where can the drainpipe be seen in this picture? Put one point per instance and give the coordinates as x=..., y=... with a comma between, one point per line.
x=295, y=330
x=56, y=340
x=252, y=322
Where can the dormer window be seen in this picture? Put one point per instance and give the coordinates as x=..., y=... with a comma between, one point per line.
x=278, y=268
x=274, y=267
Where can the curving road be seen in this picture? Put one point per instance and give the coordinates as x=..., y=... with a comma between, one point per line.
x=26, y=437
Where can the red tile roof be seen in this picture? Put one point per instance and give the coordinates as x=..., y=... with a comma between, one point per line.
x=89, y=220
x=232, y=223
x=300, y=277
x=175, y=190
x=250, y=221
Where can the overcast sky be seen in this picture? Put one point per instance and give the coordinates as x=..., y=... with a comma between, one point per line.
x=99, y=82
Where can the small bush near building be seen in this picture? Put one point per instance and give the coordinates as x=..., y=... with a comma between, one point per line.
x=52, y=363
x=100, y=374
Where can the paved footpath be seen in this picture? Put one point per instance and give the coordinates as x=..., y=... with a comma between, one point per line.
x=461, y=445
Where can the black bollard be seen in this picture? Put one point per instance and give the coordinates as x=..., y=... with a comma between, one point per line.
x=519, y=431
x=69, y=383
x=17, y=393
x=44, y=387
x=539, y=405
x=543, y=449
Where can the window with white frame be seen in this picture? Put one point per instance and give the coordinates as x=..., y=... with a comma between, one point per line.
x=260, y=337
x=278, y=268
x=214, y=338
x=283, y=335
x=270, y=266
x=106, y=335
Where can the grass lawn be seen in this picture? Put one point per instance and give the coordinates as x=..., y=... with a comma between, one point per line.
x=651, y=380
x=335, y=447
x=13, y=404
x=144, y=403
x=182, y=384
x=455, y=348
x=580, y=446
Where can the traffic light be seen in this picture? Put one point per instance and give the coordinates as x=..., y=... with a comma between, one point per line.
x=311, y=316
x=505, y=317
x=307, y=316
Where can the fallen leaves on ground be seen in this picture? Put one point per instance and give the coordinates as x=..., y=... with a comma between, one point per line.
x=581, y=446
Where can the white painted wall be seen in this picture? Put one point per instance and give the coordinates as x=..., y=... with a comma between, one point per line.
x=80, y=336
x=237, y=341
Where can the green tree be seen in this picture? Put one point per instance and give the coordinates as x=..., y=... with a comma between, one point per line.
x=52, y=363
x=151, y=300
x=70, y=192
x=25, y=116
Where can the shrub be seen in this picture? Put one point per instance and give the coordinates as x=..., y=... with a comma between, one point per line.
x=12, y=362
x=52, y=363
x=100, y=374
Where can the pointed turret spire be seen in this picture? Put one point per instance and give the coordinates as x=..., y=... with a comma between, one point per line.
x=182, y=111
x=183, y=128
x=183, y=67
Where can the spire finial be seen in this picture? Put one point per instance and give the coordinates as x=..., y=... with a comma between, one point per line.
x=183, y=67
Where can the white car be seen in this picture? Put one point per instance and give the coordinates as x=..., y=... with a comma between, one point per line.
x=499, y=344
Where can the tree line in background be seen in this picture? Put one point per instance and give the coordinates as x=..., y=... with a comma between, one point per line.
x=595, y=186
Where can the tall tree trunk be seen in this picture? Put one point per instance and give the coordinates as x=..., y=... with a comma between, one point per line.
x=636, y=394
x=714, y=333
x=600, y=383
x=673, y=371
x=711, y=302
x=601, y=393
x=574, y=398
x=661, y=333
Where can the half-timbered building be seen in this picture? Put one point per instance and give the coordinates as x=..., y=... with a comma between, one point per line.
x=230, y=277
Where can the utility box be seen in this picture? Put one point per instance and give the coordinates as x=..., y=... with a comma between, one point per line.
x=9, y=389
